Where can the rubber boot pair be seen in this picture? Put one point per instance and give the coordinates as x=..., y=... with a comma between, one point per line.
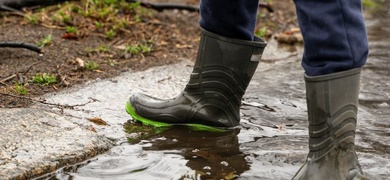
x=212, y=99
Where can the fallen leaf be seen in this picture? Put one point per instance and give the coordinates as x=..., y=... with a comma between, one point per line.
x=121, y=47
x=179, y=46
x=80, y=62
x=71, y=36
x=99, y=121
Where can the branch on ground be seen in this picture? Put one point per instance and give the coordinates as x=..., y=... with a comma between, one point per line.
x=21, y=45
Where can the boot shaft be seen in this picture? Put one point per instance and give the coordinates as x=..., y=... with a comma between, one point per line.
x=224, y=65
x=332, y=102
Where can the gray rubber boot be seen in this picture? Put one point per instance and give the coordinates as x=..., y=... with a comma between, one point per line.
x=332, y=103
x=212, y=97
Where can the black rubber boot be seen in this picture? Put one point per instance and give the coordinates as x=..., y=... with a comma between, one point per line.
x=212, y=97
x=332, y=102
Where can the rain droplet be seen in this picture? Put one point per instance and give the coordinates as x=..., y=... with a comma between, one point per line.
x=225, y=163
x=195, y=150
x=248, y=158
x=383, y=105
x=162, y=138
x=207, y=167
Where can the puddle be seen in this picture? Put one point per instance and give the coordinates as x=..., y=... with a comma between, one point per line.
x=182, y=153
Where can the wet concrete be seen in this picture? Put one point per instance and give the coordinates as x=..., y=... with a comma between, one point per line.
x=271, y=143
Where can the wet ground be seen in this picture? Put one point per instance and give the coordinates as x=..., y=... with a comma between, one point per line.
x=272, y=140
x=270, y=144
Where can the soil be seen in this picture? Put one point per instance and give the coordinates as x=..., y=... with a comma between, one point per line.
x=174, y=35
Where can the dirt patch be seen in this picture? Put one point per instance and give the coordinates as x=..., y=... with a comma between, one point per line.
x=171, y=35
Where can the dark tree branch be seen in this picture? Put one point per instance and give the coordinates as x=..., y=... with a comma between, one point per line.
x=21, y=45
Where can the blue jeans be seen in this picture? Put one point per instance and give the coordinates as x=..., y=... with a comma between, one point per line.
x=335, y=37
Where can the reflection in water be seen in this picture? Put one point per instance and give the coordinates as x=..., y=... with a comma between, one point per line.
x=209, y=154
x=176, y=153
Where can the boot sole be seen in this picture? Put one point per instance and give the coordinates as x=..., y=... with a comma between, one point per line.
x=198, y=127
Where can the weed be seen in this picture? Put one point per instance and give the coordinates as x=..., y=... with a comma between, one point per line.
x=369, y=4
x=45, y=79
x=91, y=65
x=138, y=49
x=45, y=41
x=100, y=49
x=71, y=29
x=20, y=89
x=137, y=19
x=32, y=18
x=66, y=19
x=132, y=6
x=98, y=24
x=103, y=48
x=261, y=32
x=110, y=34
x=110, y=17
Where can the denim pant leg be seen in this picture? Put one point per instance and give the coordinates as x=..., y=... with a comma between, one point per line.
x=334, y=33
x=230, y=18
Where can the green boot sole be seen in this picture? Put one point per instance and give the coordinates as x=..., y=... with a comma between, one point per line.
x=198, y=127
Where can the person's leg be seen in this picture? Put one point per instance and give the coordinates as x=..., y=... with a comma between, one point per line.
x=229, y=18
x=334, y=35
x=336, y=46
x=226, y=61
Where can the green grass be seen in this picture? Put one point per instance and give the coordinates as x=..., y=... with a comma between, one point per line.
x=110, y=34
x=20, y=89
x=45, y=41
x=91, y=65
x=138, y=49
x=262, y=32
x=44, y=79
x=109, y=17
x=369, y=3
x=32, y=18
x=71, y=29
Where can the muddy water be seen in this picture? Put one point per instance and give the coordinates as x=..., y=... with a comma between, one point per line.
x=272, y=140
